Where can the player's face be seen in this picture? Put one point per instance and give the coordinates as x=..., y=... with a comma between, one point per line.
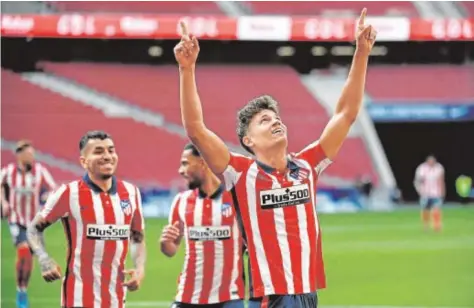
x=27, y=155
x=266, y=131
x=99, y=158
x=431, y=160
x=191, y=169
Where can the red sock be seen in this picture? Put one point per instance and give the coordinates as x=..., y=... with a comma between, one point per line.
x=425, y=216
x=436, y=213
x=24, y=265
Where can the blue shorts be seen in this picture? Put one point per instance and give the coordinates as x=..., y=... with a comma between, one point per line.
x=18, y=234
x=309, y=300
x=428, y=203
x=230, y=304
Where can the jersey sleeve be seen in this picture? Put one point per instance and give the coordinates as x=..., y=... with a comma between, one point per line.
x=47, y=179
x=315, y=156
x=138, y=222
x=3, y=175
x=237, y=165
x=57, y=205
x=174, y=211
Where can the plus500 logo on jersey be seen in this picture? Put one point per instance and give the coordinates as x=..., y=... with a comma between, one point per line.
x=108, y=232
x=283, y=197
x=212, y=233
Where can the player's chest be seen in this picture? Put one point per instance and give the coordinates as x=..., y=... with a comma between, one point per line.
x=24, y=183
x=286, y=192
x=208, y=219
x=103, y=216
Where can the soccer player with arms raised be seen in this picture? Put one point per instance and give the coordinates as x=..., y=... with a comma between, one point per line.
x=212, y=273
x=101, y=216
x=275, y=193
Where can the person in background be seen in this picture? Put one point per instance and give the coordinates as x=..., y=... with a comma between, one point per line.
x=431, y=187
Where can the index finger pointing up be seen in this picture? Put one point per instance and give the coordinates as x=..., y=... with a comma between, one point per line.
x=184, y=29
x=362, y=17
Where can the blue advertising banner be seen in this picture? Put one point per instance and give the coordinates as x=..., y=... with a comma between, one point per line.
x=398, y=112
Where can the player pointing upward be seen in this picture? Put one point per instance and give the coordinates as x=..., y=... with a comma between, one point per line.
x=275, y=192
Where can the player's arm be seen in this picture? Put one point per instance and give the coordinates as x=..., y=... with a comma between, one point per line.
x=171, y=236
x=3, y=194
x=211, y=147
x=137, y=246
x=442, y=183
x=57, y=206
x=417, y=181
x=48, y=183
x=350, y=102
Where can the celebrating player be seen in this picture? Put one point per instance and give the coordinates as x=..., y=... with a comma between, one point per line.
x=24, y=184
x=100, y=214
x=212, y=274
x=275, y=194
x=430, y=185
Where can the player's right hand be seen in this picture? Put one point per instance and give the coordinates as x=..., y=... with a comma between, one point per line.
x=49, y=269
x=187, y=50
x=171, y=233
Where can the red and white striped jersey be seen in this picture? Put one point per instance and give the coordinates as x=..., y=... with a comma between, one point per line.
x=213, y=266
x=25, y=189
x=97, y=226
x=280, y=222
x=431, y=180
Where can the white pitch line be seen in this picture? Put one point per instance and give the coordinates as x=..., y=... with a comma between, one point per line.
x=168, y=304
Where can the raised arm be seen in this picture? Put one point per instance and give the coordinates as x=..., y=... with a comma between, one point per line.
x=350, y=101
x=212, y=148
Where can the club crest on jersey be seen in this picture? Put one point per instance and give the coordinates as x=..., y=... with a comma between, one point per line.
x=299, y=174
x=284, y=197
x=126, y=206
x=226, y=210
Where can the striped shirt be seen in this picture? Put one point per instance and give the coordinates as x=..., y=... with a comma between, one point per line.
x=25, y=189
x=97, y=226
x=213, y=265
x=279, y=219
x=431, y=180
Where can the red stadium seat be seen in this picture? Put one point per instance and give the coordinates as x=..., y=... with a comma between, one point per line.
x=321, y=7
x=55, y=125
x=434, y=84
x=469, y=6
x=170, y=7
x=223, y=92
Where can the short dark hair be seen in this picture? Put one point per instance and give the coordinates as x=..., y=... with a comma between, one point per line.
x=246, y=114
x=194, y=150
x=93, y=134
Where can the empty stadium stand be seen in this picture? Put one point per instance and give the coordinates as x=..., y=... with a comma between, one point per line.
x=320, y=7
x=168, y=7
x=434, y=84
x=56, y=124
x=469, y=6
x=223, y=92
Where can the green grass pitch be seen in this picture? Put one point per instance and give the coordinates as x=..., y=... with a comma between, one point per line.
x=380, y=259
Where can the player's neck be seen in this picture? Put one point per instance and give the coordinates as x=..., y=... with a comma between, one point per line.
x=105, y=185
x=275, y=159
x=210, y=184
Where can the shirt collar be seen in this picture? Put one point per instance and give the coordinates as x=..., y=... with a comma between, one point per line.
x=215, y=195
x=291, y=165
x=97, y=189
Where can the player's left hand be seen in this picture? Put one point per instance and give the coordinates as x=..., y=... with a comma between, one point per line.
x=135, y=280
x=365, y=34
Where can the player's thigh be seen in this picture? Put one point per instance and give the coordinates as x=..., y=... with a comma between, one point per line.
x=437, y=202
x=425, y=203
x=18, y=234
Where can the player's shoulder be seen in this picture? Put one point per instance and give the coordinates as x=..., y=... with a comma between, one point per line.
x=131, y=188
x=9, y=166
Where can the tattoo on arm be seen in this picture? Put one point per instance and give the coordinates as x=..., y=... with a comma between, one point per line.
x=35, y=234
x=138, y=250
